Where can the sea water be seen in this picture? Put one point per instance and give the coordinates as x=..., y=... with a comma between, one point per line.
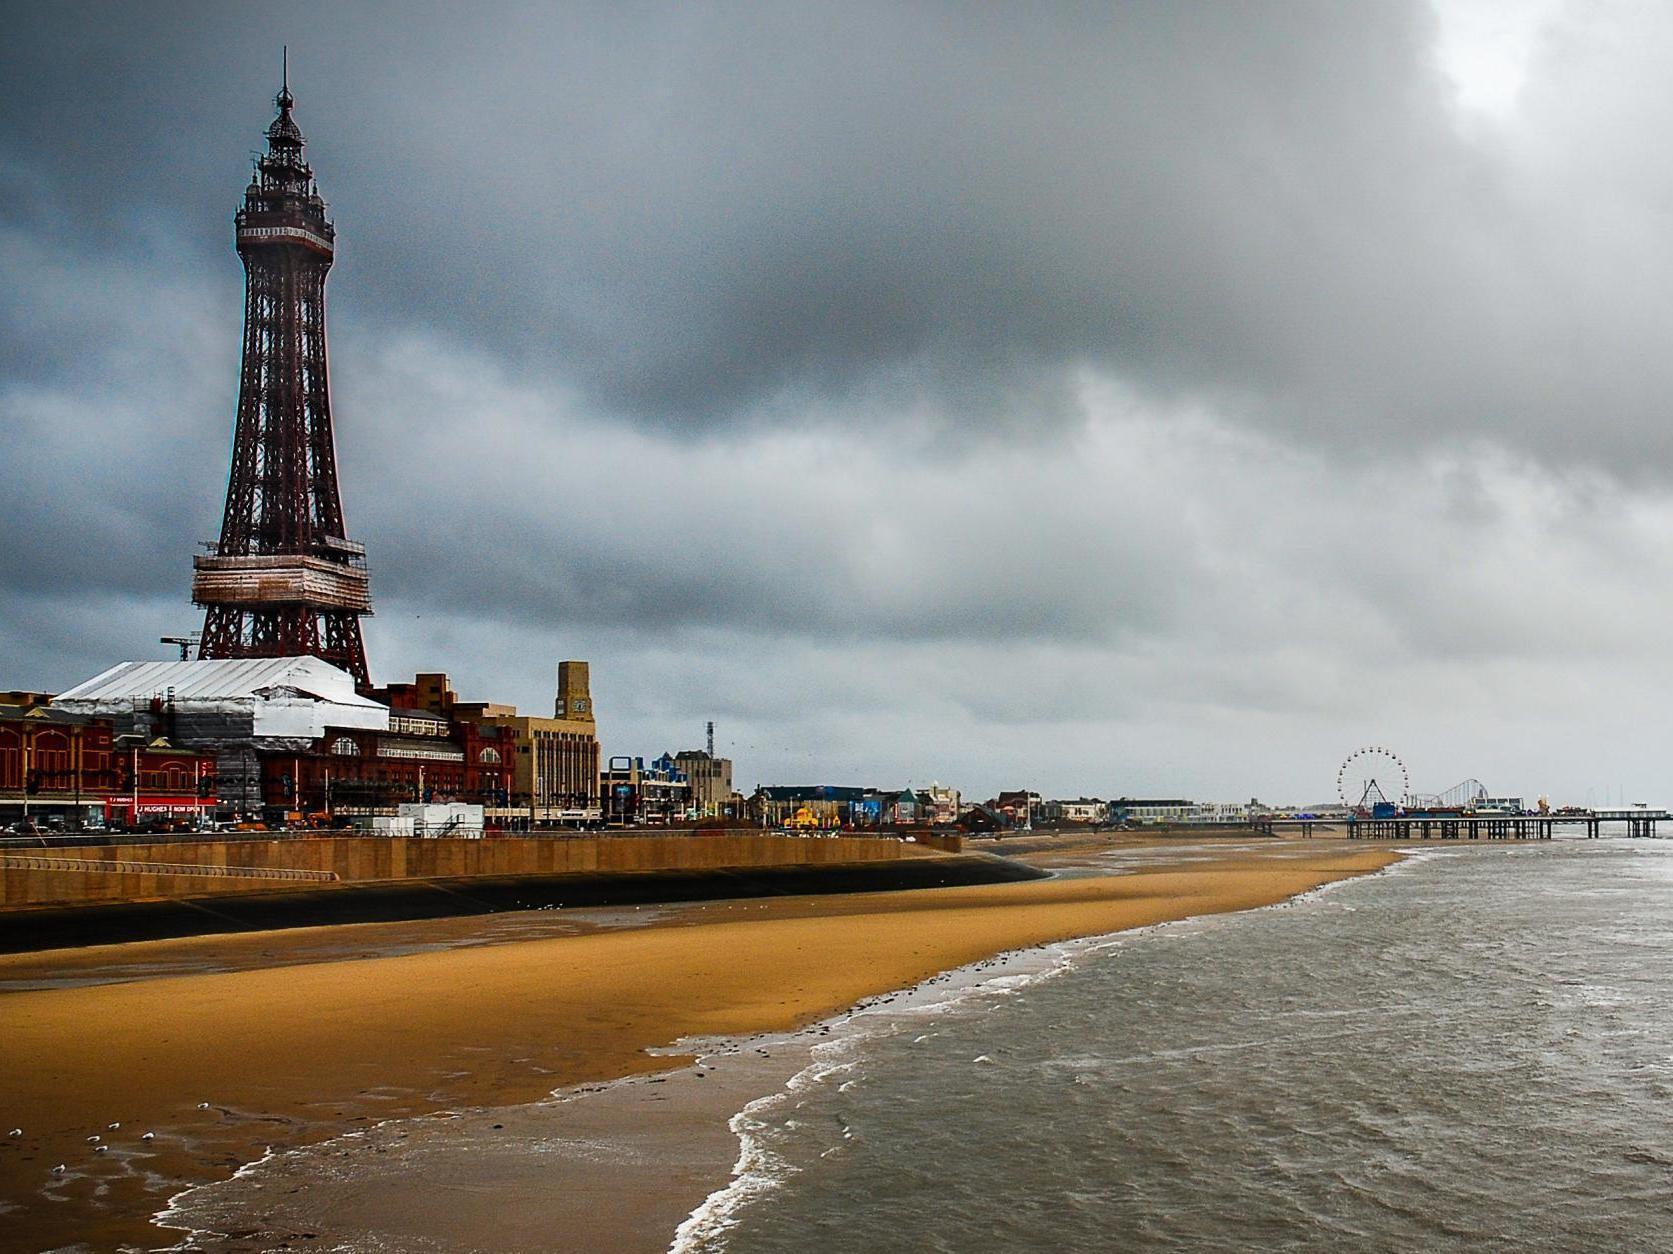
x=1473, y=1050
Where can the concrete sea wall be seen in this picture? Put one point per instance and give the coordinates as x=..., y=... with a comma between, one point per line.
x=93, y=874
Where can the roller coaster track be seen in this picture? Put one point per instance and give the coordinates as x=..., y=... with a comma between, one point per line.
x=1458, y=797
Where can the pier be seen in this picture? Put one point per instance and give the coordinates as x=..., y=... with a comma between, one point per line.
x=1465, y=827
x=1639, y=822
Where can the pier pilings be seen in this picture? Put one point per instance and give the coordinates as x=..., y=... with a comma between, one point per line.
x=1639, y=823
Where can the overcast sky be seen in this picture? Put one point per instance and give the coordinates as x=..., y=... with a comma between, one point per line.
x=1154, y=398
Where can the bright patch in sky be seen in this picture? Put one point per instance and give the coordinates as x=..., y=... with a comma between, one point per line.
x=1486, y=47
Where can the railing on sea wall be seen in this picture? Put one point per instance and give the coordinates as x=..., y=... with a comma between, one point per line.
x=34, y=862
x=70, y=840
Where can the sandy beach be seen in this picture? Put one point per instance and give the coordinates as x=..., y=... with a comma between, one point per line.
x=225, y=1046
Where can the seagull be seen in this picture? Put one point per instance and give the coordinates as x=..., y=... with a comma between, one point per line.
x=92, y=1140
x=148, y=1136
x=99, y=1149
x=15, y=1132
x=203, y=1105
x=58, y=1170
x=113, y=1126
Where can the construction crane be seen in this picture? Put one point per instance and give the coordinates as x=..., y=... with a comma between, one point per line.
x=186, y=643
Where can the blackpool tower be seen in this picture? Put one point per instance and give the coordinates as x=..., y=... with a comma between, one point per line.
x=284, y=580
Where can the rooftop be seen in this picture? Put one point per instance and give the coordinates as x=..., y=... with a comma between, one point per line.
x=220, y=680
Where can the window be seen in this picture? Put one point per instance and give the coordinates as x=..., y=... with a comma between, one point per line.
x=11, y=759
x=344, y=747
x=490, y=755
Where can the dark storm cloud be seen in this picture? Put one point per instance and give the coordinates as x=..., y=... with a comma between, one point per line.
x=699, y=216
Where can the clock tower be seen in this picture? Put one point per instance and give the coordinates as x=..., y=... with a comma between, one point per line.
x=575, y=701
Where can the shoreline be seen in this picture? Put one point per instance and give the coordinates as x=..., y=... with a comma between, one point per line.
x=990, y=978
x=673, y=1153
x=289, y=1055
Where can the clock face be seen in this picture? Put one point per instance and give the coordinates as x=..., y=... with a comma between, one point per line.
x=581, y=705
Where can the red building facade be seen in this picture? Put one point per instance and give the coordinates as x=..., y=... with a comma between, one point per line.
x=74, y=768
x=422, y=757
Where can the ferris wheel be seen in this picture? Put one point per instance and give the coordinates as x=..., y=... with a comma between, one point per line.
x=1371, y=775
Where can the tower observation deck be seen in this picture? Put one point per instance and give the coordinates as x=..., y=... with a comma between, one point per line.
x=284, y=581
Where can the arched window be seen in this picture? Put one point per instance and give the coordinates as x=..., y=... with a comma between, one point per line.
x=344, y=747
x=490, y=756
x=50, y=767
x=11, y=759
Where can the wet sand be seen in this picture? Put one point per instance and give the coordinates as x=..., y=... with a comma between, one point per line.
x=226, y=1046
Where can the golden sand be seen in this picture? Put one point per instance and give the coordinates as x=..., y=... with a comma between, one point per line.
x=290, y=1053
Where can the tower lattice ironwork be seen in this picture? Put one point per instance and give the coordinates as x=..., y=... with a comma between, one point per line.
x=283, y=580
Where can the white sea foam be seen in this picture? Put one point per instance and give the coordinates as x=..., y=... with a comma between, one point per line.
x=758, y=1170
x=177, y=1215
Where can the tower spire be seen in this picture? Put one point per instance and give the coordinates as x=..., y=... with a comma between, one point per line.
x=284, y=99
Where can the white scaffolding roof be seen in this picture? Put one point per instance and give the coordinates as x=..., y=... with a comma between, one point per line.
x=286, y=696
